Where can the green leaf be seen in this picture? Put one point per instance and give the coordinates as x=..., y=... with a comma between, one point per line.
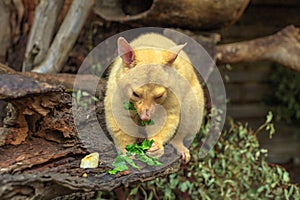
x=285, y=177
x=227, y=78
x=85, y=94
x=119, y=168
x=148, y=160
x=130, y=162
x=134, y=191
x=269, y=117
x=137, y=149
x=150, y=196
x=129, y=106
x=148, y=123
x=146, y=144
x=94, y=98
x=228, y=67
x=121, y=161
x=78, y=96
x=185, y=186
x=119, y=165
x=174, y=182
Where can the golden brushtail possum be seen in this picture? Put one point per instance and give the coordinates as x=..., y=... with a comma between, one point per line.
x=156, y=76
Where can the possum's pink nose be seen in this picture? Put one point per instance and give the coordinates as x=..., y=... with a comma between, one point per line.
x=145, y=115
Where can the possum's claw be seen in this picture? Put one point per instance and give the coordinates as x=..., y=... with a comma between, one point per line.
x=185, y=155
x=182, y=151
x=156, y=150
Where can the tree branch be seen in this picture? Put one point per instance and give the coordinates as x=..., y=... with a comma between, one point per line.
x=66, y=37
x=282, y=47
x=41, y=32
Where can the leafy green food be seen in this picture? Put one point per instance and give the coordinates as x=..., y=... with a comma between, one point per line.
x=129, y=106
x=150, y=122
x=119, y=165
x=137, y=151
x=148, y=160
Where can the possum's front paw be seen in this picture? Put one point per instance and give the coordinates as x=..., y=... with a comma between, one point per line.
x=156, y=150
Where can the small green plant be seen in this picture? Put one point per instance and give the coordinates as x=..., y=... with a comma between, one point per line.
x=268, y=126
x=130, y=106
x=138, y=151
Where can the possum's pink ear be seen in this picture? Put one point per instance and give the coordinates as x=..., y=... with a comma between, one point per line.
x=125, y=51
x=173, y=53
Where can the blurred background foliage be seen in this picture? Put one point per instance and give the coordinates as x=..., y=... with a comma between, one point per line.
x=285, y=95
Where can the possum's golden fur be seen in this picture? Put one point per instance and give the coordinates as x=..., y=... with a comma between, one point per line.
x=170, y=81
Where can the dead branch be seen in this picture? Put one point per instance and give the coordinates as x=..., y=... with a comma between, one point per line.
x=282, y=47
x=41, y=32
x=66, y=37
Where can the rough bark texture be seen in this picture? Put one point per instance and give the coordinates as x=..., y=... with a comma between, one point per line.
x=282, y=47
x=192, y=14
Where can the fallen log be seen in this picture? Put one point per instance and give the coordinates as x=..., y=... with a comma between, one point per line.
x=41, y=148
x=191, y=14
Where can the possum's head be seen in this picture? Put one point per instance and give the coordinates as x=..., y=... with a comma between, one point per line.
x=149, y=73
x=145, y=97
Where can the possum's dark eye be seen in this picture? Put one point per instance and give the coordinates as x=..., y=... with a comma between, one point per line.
x=159, y=96
x=135, y=95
